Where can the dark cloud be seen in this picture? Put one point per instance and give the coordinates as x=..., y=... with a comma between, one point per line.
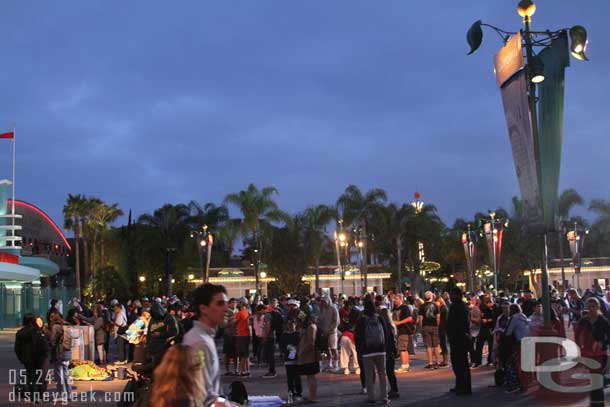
x=144, y=103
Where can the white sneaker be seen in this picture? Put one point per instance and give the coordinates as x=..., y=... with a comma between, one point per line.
x=363, y=391
x=346, y=372
x=358, y=371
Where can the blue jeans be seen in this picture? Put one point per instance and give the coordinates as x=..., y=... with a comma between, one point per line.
x=60, y=373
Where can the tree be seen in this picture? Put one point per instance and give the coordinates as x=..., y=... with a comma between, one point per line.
x=209, y=214
x=170, y=222
x=357, y=209
x=316, y=219
x=601, y=225
x=72, y=211
x=258, y=211
x=390, y=226
x=421, y=226
x=567, y=200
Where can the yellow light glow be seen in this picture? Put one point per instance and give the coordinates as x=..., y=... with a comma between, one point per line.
x=263, y=274
x=202, y=243
x=142, y=279
x=538, y=79
x=342, y=237
x=526, y=8
x=578, y=48
x=360, y=244
x=191, y=276
x=311, y=277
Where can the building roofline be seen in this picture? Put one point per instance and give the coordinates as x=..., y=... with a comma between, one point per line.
x=45, y=217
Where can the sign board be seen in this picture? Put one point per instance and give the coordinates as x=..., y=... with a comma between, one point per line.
x=509, y=59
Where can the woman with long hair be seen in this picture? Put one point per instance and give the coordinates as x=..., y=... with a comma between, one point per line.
x=60, y=352
x=178, y=381
x=99, y=325
x=308, y=359
x=592, y=334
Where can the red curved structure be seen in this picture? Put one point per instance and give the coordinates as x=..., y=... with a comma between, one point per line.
x=45, y=217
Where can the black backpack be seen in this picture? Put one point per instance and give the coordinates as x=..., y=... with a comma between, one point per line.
x=374, y=336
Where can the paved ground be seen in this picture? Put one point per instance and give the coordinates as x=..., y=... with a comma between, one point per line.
x=418, y=387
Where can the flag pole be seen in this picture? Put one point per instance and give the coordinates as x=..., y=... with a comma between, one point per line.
x=13, y=192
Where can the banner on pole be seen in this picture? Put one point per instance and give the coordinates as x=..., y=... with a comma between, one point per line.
x=516, y=110
x=550, y=123
x=489, y=232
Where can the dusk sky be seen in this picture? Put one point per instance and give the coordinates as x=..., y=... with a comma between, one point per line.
x=148, y=102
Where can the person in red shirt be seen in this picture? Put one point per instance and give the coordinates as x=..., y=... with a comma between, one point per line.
x=242, y=343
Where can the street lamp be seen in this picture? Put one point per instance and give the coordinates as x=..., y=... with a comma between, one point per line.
x=576, y=239
x=537, y=149
x=418, y=205
x=204, y=240
x=340, y=242
x=142, y=279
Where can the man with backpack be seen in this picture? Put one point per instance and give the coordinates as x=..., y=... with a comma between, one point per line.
x=162, y=331
x=429, y=321
x=371, y=332
x=405, y=324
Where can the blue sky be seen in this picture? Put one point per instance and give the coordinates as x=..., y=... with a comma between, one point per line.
x=149, y=102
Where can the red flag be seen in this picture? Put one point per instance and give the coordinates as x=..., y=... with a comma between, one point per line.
x=10, y=134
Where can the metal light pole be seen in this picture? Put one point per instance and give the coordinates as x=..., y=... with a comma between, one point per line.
x=576, y=239
x=494, y=239
x=418, y=205
x=363, y=273
x=342, y=242
x=203, y=239
x=538, y=177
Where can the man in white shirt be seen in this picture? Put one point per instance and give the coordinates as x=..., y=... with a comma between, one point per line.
x=211, y=305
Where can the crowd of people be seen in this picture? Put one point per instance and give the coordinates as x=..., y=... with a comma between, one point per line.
x=361, y=335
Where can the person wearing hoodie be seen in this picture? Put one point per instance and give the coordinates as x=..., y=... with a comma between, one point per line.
x=162, y=329
x=516, y=330
x=458, y=333
x=328, y=322
x=32, y=350
x=371, y=333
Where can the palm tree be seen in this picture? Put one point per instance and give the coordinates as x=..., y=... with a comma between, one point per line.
x=258, y=210
x=86, y=208
x=391, y=224
x=356, y=209
x=94, y=209
x=209, y=214
x=103, y=216
x=72, y=210
x=567, y=200
x=170, y=222
x=316, y=220
x=601, y=226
